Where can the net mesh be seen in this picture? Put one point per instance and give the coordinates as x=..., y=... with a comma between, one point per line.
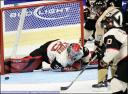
x=41, y=24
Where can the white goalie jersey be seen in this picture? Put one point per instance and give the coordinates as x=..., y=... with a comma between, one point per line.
x=59, y=50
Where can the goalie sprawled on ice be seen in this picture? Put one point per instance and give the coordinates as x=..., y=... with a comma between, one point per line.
x=61, y=55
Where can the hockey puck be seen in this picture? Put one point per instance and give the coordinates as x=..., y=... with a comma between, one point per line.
x=6, y=78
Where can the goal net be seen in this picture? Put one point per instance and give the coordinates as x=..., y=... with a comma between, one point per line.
x=26, y=27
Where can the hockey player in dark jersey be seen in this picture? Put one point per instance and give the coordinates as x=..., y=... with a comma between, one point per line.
x=98, y=38
x=91, y=15
x=116, y=51
x=61, y=55
x=89, y=23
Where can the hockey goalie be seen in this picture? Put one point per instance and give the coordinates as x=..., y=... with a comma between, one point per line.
x=60, y=55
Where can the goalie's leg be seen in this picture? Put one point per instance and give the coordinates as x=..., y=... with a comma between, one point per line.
x=26, y=64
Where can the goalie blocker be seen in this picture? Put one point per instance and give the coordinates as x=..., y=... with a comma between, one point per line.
x=61, y=55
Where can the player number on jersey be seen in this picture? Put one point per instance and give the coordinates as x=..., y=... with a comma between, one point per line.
x=109, y=41
x=59, y=47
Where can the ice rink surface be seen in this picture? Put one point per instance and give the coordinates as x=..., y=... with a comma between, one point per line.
x=50, y=82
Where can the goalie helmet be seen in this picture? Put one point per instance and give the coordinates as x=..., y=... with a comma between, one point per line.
x=75, y=51
x=112, y=19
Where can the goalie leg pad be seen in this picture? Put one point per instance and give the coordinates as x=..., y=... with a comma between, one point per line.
x=26, y=64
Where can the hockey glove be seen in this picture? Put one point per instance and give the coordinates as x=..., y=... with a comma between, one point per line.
x=103, y=64
x=99, y=53
x=56, y=65
x=97, y=43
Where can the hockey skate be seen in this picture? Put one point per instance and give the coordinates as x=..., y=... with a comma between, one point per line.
x=101, y=86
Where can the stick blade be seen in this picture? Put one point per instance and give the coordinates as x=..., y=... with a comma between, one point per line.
x=64, y=88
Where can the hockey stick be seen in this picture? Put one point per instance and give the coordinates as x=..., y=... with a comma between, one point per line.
x=66, y=87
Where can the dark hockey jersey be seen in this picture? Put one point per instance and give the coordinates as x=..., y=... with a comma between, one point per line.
x=116, y=42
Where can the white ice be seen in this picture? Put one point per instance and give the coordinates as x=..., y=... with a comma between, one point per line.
x=50, y=82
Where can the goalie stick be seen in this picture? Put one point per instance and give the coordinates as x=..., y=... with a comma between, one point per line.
x=66, y=87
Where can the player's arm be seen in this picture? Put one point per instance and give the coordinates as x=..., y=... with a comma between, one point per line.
x=56, y=66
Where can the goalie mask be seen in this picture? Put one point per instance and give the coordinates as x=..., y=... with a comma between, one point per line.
x=75, y=51
x=113, y=19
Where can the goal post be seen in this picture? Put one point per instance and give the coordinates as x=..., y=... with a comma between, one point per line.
x=26, y=27
x=1, y=45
